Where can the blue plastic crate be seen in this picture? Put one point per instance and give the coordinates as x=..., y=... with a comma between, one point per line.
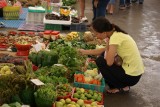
x=80, y=27
x=99, y=88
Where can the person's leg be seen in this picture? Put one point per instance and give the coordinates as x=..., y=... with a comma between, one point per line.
x=94, y=10
x=111, y=4
x=108, y=7
x=128, y=3
x=141, y=1
x=122, y=4
x=115, y=75
x=134, y=1
x=131, y=80
x=82, y=8
x=101, y=8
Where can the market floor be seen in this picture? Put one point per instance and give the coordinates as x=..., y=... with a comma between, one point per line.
x=143, y=23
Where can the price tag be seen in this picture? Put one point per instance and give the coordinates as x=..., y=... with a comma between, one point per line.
x=37, y=82
x=25, y=106
x=59, y=65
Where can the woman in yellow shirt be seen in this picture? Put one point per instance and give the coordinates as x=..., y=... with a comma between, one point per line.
x=127, y=70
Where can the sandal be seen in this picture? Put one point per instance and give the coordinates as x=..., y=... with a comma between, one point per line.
x=118, y=90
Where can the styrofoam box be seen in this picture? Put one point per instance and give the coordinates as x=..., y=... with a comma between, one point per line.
x=36, y=18
x=59, y=22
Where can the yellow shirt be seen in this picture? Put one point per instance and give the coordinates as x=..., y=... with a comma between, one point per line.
x=128, y=51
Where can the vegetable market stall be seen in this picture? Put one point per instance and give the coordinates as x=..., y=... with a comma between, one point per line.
x=58, y=63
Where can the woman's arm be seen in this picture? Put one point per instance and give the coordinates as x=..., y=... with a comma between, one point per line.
x=92, y=52
x=110, y=54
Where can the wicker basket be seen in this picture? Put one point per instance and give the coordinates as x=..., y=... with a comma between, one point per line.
x=11, y=12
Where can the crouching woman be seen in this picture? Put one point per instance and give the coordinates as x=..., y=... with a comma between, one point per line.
x=120, y=62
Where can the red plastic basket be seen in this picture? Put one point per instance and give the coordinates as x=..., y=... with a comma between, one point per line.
x=3, y=46
x=23, y=50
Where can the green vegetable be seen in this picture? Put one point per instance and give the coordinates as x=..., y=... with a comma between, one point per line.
x=62, y=80
x=42, y=71
x=33, y=58
x=16, y=98
x=27, y=96
x=15, y=104
x=5, y=105
x=46, y=79
x=58, y=71
x=40, y=56
x=91, y=65
x=47, y=58
x=45, y=96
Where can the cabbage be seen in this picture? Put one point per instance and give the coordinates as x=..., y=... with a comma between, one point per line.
x=91, y=73
x=88, y=79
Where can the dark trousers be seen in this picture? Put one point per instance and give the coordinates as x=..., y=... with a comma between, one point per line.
x=115, y=75
x=101, y=8
x=123, y=2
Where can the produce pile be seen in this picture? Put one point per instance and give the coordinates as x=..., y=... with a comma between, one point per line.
x=57, y=67
x=68, y=2
x=6, y=58
x=5, y=69
x=88, y=96
x=79, y=103
x=10, y=38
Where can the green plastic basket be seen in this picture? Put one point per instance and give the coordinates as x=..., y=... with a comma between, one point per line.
x=11, y=12
x=36, y=11
x=99, y=88
x=53, y=27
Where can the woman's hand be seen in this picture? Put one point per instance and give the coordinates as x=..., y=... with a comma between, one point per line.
x=118, y=60
x=82, y=51
x=91, y=52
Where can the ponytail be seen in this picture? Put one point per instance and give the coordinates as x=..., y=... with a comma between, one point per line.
x=118, y=29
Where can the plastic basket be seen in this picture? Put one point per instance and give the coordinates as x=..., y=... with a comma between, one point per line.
x=22, y=50
x=53, y=27
x=34, y=18
x=99, y=88
x=78, y=27
x=36, y=10
x=11, y=12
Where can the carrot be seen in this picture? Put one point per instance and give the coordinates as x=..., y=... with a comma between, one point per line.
x=80, y=79
x=95, y=81
x=98, y=82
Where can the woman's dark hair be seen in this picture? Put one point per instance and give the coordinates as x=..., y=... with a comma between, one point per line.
x=101, y=24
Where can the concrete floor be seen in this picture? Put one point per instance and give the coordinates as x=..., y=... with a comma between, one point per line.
x=142, y=22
